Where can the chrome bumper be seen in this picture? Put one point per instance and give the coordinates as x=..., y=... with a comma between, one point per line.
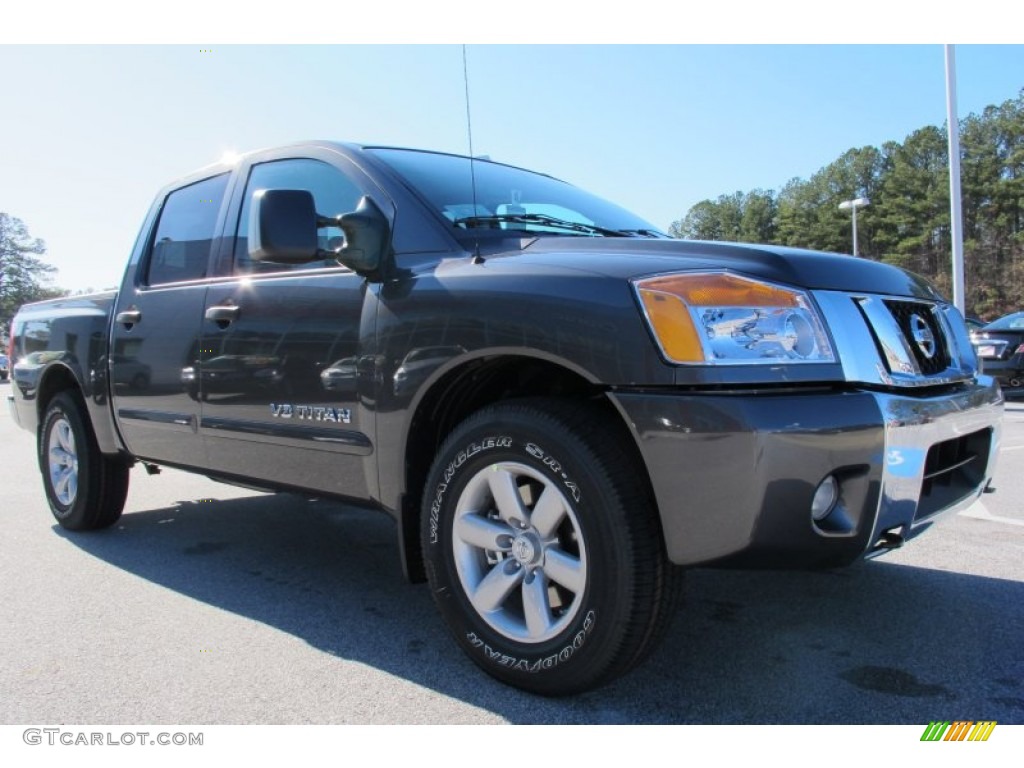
x=940, y=454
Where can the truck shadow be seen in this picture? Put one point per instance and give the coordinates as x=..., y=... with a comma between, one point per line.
x=875, y=643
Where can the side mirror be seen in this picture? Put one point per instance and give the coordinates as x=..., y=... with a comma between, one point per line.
x=282, y=226
x=366, y=238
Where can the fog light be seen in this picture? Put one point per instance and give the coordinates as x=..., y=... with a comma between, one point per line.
x=825, y=499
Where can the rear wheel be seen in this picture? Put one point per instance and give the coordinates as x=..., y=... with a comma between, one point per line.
x=543, y=547
x=86, y=489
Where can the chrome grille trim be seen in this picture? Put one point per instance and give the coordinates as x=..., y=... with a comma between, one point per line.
x=875, y=349
x=892, y=343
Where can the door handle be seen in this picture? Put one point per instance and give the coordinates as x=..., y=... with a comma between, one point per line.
x=128, y=317
x=223, y=314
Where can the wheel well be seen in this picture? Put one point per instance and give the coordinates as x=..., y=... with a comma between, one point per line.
x=57, y=379
x=461, y=393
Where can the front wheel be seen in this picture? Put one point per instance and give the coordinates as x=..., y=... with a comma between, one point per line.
x=543, y=548
x=86, y=489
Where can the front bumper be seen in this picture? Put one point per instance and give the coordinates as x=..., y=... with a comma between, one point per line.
x=734, y=474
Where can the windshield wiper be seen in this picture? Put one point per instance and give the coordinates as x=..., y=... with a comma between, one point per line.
x=470, y=222
x=646, y=233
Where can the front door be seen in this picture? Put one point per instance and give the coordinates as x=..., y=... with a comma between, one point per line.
x=284, y=351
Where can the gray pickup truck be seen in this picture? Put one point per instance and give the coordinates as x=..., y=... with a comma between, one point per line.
x=560, y=406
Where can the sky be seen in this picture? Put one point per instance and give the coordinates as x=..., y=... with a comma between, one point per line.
x=92, y=132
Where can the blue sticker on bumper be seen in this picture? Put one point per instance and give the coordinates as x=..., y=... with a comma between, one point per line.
x=905, y=462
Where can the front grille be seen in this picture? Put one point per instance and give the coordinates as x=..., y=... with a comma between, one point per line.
x=953, y=470
x=904, y=313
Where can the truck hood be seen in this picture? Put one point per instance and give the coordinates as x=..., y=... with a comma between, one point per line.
x=636, y=257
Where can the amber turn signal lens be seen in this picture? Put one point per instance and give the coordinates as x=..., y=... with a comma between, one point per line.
x=672, y=325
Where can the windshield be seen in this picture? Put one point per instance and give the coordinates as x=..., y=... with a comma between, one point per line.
x=1014, y=322
x=509, y=198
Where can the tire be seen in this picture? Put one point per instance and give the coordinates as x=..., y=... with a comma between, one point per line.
x=543, y=548
x=86, y=490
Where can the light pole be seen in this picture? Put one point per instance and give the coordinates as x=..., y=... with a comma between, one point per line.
x=853, y=205
x=956, y=229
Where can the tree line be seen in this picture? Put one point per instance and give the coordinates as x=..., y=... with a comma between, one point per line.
x=908, y=220
x=24, y=277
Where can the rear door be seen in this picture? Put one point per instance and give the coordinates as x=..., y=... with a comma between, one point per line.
x=154, y=345
x=282, y=346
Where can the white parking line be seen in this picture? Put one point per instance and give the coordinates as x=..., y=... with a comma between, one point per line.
x=978, y=512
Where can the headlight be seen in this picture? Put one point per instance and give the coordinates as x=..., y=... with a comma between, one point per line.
x=725, y=319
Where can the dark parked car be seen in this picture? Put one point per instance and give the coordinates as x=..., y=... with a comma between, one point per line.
x=1000, y=346
x=4, y=367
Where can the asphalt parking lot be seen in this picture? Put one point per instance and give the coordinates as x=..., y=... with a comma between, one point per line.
x=212, y=604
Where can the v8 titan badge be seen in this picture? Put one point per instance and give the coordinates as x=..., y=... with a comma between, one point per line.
x=311, y=413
